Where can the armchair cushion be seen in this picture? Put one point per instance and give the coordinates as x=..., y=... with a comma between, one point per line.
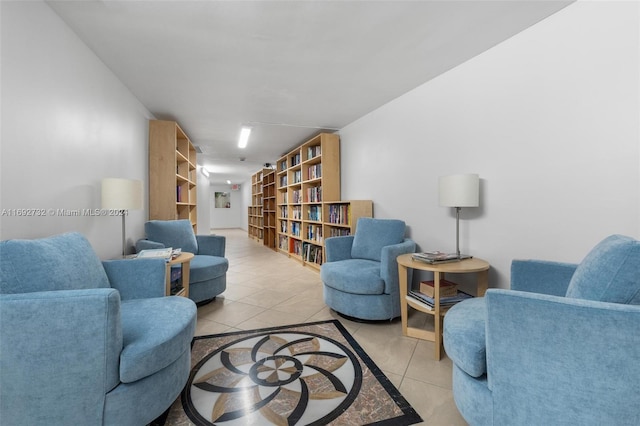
x=465, y=331
x=61, y=262
x=154, y=335
x=172, y=233
x=374, y=234
x=207, y=267
x=357, y=276
x=609, y=273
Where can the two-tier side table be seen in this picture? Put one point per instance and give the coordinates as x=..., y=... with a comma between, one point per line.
x=472, y=265
x=184, y=259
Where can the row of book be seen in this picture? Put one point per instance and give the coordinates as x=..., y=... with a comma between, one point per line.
x=312, y=253
x=315, y=213
x=338, y=232
x=295, y=160
x=314, y=233
x=296, y=213
x=314, y=172
x=296, y=177
x=283, y=242
x=314, y=194
x=314, y=151
x=340, y=214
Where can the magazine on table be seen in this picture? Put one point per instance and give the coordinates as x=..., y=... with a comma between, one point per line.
x=435, y=257
x=161, y=253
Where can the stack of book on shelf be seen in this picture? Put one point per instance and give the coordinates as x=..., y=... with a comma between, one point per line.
x=449, y=294
x=434, y=257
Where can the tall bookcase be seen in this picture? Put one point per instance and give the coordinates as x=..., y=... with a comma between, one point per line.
x=269, y=208
x=256, y=219
x=172, y=173
x=307, y=191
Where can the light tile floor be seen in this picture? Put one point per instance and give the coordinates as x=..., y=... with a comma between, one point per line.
x=267, y=289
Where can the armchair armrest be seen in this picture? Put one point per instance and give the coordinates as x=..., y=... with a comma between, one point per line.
x=389, y=265
x=211, y=245
x=338, y=248
x=578, y=359
x=137, y=278
x=144, y=244
x=541, y=276
x=58, y=346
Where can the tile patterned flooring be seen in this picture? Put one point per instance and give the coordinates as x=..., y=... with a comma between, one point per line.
x=267, y=289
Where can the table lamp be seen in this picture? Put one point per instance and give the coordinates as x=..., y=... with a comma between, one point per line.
x=459, y=191
x=122, y=194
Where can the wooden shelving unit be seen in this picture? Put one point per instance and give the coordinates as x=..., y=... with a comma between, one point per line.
x=307, y=188
x=172, y=173
x=256, y=218
x=269, y=208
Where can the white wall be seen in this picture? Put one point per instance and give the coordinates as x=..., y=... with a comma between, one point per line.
x=67, y=122
x=231, y=217
x=550, y=121
x=204, y=203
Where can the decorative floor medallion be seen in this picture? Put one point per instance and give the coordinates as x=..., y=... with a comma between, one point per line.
x=305, y=374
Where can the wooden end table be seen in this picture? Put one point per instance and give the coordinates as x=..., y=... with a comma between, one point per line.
x=472, y=265
x=185, y=261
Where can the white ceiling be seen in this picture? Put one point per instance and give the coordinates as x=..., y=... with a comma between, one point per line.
x=287, y=68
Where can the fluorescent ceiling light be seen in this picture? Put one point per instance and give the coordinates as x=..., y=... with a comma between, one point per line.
x=228, y=182
x=244, y=136
x=205, y=172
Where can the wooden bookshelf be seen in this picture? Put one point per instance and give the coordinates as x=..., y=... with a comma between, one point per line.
x=256, y=218
x=172, y=173
x=307, y=184
x=269, y=208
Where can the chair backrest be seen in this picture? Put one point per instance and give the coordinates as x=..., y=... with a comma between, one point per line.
x=61, y=262
x=172, y=233
x=374, y=234
x=609, y=273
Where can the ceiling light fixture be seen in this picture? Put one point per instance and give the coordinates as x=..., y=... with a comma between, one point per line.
x=228, y=182
x=244, y=136
x=205, y=172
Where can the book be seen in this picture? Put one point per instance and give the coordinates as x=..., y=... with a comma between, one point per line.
x=447, y=288
x=433, y=257
x=163, y=253
x=445, y=302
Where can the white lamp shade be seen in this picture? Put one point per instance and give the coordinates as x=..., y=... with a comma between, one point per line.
x=459, y=190
x=121, y=194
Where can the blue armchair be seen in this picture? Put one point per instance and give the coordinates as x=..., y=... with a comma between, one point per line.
x=562, y=347
x=84, y=342
x=208, y=268
x=360, y=274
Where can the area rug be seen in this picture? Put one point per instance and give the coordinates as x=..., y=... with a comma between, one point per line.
x=303, y=374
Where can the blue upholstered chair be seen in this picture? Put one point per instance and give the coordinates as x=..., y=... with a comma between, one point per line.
x=562, y=347
x=84, y=342
x=360, y=274
x=208, y=268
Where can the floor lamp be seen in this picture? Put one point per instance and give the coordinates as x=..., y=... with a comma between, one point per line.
x=459, y=191
x=121, y=195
